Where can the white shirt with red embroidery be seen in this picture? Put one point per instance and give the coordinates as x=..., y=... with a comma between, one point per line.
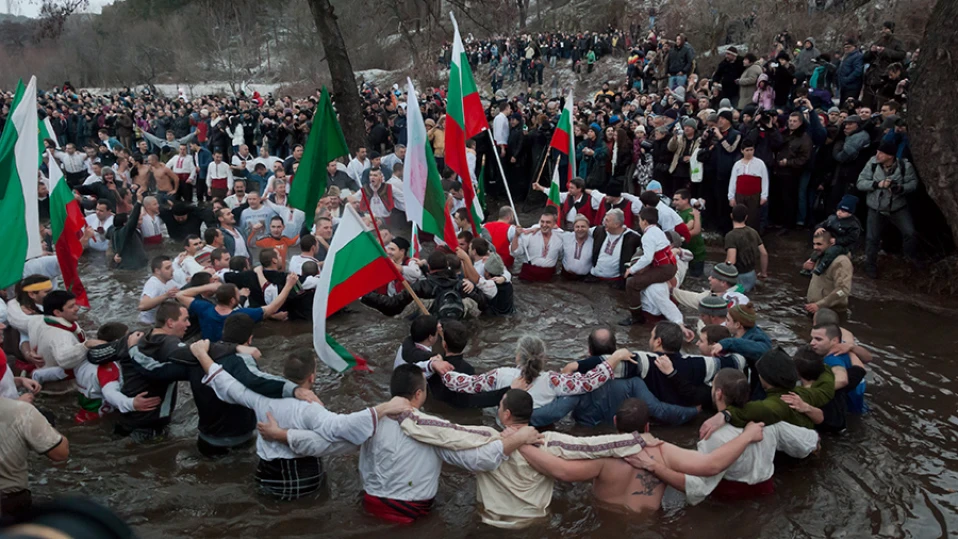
x=544, y=389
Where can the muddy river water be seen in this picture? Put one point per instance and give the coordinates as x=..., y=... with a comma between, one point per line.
x=894, y=473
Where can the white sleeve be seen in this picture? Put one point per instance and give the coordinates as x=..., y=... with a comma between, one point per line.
x=488, y=288
x=310, y=444
x=485, y=458
x=113, y=395
x=17, y=318
x=426, y=367
x=796, y=442
x=597, y=198
x=648, y=251
x=8, y=386
x=636, y=202
x=211, y=170
x=354, y=428
x=764, y=180
x=736, y=172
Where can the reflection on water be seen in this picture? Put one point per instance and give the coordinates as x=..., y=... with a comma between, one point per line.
x=893, y=474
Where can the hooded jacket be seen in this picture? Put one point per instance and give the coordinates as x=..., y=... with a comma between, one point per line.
x=804, y=60
x=796, y=150
x=153, y=365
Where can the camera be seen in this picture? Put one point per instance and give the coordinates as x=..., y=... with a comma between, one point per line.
x=646, y=145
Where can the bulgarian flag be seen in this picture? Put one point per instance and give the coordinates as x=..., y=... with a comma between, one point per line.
x=355, y=265
x=465, y=118
x=563, y=139
x=414, y=247
x=19, y=176
x=324, y=144
x=422, y=186
x=66, y=224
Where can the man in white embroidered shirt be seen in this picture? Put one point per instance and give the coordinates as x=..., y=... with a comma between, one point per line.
x=401, y=475
x=751, y=473
x=541, y=249
x=281, y=472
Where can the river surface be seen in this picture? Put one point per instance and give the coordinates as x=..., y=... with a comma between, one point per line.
x=892, y=474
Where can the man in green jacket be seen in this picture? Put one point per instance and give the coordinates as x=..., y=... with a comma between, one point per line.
x=778, y=376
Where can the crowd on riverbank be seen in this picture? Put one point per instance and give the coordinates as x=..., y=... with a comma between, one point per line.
x=658, y=160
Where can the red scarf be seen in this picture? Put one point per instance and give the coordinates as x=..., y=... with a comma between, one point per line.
x=74, y=328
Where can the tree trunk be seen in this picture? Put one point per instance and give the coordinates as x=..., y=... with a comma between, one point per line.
x=523, y=6
x=933, y=128
x=348, y=103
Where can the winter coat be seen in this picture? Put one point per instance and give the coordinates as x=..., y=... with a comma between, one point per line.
x=782, y=79
x=725, y=74
x=879, y=61
x=850, y=72
x=849, y=154
x=803, y=61
x=680, y=60
x=890, y=199
x=796, y=150
x=677, y=146
x=747, y=84
x=764, y=98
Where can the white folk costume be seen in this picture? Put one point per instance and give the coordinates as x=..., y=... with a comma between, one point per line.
x=514, y=494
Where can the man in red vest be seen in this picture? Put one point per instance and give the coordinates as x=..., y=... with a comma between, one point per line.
x=502, y=232
x=612, y=199
x=379, y=199
x=572, y=203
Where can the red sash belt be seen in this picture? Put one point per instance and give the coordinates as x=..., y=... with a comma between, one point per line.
x=530, y=272
x=398, y=511
x=736, y=490
x=748, y=184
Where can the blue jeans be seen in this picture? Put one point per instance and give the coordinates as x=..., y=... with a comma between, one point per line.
x=677, y=80
x=599, y=407
x=747, y=280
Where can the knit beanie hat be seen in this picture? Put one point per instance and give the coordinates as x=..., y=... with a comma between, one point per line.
x=727, y=114
x=777, y=369
x=743, y=314
x=713, y=305
x=725, y=273
x=690, y=122
x=725, y=103
x=494, y=265
x=401, y=243
x=848, y=203
x=888, y=147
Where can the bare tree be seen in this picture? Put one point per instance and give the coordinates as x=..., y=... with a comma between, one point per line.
x=935, y=142
x=344, y=85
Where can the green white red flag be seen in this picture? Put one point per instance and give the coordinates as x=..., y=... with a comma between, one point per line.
x=465, y=118
x=66, y=225
x=563, y=138
x=19, y=177
x=422, y=185
x=355, y=265
x=324, y=144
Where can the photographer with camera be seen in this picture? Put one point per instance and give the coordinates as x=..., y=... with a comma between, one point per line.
x=887, y=181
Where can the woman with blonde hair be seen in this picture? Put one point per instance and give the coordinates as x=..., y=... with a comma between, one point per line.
x=530, y=374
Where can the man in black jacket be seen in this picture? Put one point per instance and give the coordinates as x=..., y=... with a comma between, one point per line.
x=727, y=72
x=223, y=426
x=417, y=347
x=679, y=62
x=185, y=219
x=455, y=337
x=439, y=280
x=885, y=51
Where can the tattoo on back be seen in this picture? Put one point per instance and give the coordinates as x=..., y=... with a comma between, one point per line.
x=649, y=483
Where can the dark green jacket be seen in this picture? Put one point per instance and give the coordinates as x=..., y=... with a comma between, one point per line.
x=773, y=409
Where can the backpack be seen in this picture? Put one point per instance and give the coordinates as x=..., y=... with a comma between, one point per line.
x=448, y=304
x=817, y=79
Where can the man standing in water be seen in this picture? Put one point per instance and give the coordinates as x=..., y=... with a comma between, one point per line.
x=400, y=474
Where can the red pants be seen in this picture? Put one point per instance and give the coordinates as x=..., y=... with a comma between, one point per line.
x=735, y=490
x=398, y=511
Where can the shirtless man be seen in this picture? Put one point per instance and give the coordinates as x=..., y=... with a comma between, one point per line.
x=616, y=482
x=166, y=182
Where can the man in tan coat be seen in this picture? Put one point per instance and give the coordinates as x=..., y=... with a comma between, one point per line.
x=833, y=287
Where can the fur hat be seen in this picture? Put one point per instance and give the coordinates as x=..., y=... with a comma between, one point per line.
x=494, y=265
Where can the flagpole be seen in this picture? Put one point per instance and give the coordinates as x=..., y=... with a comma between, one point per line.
x=502, y=171
x=405, y=283
x=545, y=160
